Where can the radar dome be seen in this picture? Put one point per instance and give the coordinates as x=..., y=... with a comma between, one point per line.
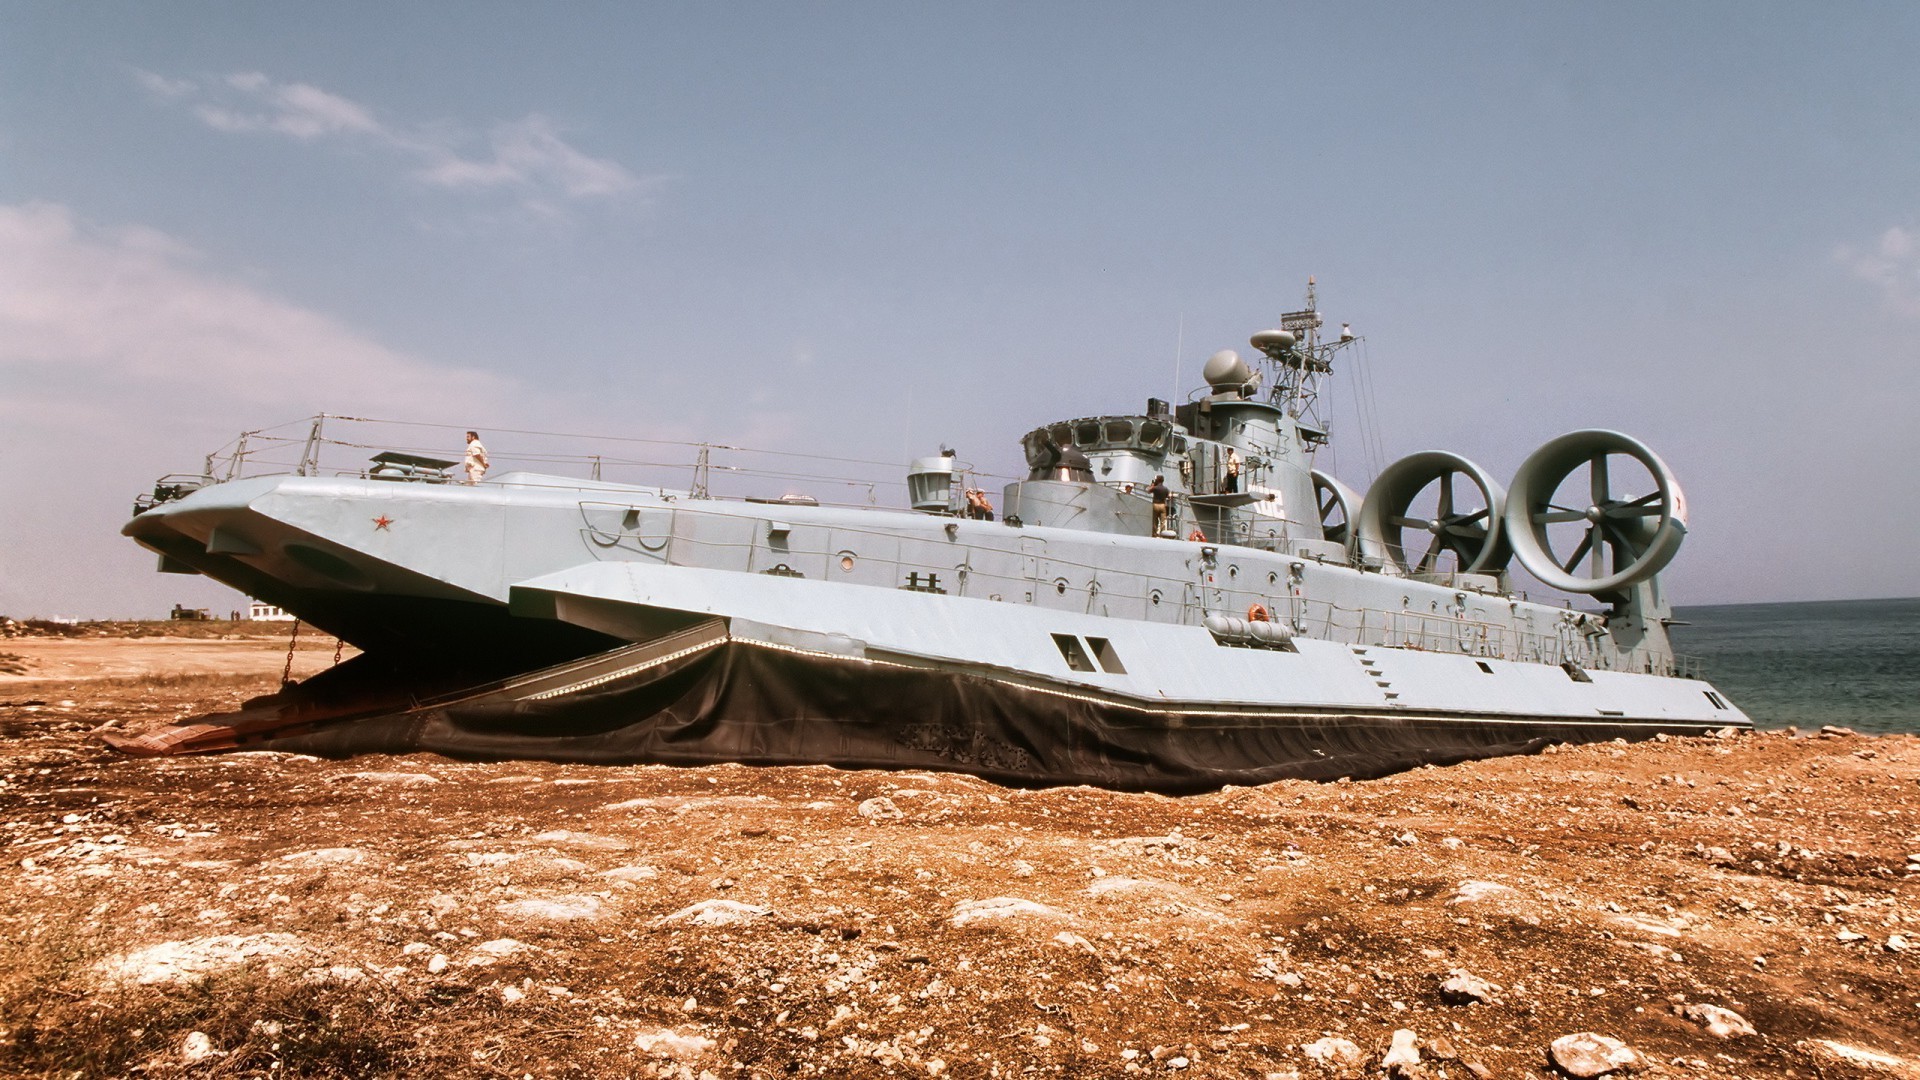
x=1273, y=342
x=1225, y=369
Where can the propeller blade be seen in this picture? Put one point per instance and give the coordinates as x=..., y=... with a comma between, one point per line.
x=1598, y=467
x=1586, y=542
x=1427, y=560
x=1622, y=541
x=1446, y=495
x=1552, y=516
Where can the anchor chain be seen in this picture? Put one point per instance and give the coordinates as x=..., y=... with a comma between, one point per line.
x=286, y=674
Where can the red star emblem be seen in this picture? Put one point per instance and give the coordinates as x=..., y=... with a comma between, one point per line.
x=382, y=522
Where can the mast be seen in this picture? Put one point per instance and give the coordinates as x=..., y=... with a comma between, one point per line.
x=1299, y=361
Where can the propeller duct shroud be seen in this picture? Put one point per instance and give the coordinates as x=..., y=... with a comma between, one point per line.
x=1467, y=505
x=1624, y=536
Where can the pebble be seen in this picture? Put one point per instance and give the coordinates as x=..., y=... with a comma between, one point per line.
x=880, y=808
x=1896, y=943
x=1586, y=1054
x=437, y=964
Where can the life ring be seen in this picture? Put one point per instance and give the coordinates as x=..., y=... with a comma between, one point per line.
x=1257, y=613
x=1197, y=536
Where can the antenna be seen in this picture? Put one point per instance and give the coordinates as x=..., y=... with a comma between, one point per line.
x=1179, y=346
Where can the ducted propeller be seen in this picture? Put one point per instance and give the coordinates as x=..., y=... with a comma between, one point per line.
x=1339, y=506
x=1428, y=506
x=1623, y=519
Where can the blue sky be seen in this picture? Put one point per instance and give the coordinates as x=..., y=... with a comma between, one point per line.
x=865, y=229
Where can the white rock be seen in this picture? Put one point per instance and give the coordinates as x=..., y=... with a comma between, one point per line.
x=196, y=1047
x=584, y=908
x=880, y=809
x=406, y=779
x=1877, y=1062
x=488, y=953
x=193, y=960
x=1401, y=1051
x=1334, y=1053
x=333, y=856
x=1464, y=988
x=1720, y=1023
x=997, y=908
x=1585, y=1055
x=718, y=913
x=630, y=874
x=1896, y=943
x=437, y=964
x=580, y=839
x=1471, y=891
x=1110, y=886
x=672, y=1045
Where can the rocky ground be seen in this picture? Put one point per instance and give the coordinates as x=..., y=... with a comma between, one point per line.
x=1741, y=907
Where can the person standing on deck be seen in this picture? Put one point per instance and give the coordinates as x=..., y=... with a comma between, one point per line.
x=476, y=458
x=1159, y=494
x=1233, y=471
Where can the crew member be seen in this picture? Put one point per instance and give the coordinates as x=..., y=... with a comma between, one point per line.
x=1233, y=471
x=476, y=458
x=978, y=508
x=1160, y=495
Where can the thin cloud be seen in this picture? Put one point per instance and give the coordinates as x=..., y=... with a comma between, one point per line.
x=528, y=158
x=1892, y=264
x=125, y=357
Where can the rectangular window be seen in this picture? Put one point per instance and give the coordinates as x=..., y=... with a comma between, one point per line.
x=1103, y=652
x=1074, y=653
x=1484, y=666
x=1715, y=698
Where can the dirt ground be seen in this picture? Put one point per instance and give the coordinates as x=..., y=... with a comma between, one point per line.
x=258, y=914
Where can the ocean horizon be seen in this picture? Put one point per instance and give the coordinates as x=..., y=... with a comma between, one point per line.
x=1854, y=663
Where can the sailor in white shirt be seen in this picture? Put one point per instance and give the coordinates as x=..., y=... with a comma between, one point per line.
x=476, y=458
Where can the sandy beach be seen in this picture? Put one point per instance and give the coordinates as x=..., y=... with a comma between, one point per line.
x=1738, y=907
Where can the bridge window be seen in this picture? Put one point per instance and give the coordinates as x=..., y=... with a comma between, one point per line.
x=1119, y=432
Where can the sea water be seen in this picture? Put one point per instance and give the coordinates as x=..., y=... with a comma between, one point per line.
x=1855, y=663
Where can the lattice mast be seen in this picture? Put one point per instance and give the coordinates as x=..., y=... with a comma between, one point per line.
x=1298, y=360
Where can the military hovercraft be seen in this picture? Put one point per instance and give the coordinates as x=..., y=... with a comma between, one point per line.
x=1265, y=622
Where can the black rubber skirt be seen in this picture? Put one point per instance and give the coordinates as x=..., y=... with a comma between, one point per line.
x=745, y=703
